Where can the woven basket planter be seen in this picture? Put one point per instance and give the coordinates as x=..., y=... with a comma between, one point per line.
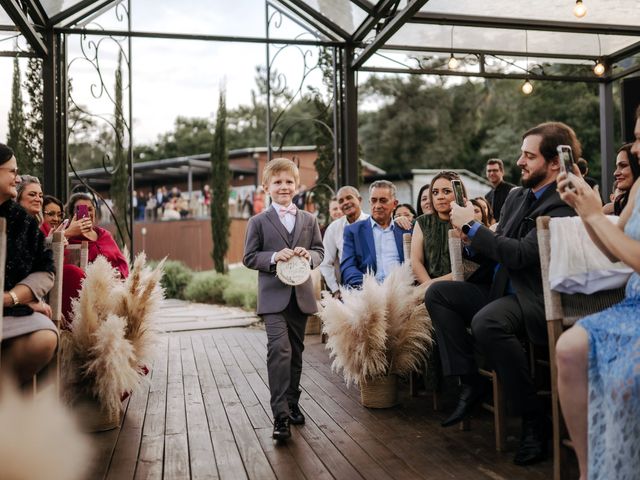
x=93, y=418
x=314, y=325
x=379, y=392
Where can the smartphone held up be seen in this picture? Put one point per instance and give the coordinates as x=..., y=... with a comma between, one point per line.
x=458, y=192
x=565, y=155
x=82, y=211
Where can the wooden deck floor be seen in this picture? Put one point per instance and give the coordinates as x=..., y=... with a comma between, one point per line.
x=206, y=415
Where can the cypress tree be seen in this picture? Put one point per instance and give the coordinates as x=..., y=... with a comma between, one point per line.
x=220, y=178
x=34, y=128
x=16, y=134
x=119, y=183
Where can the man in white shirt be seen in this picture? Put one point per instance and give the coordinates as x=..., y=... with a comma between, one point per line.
x=349, y=200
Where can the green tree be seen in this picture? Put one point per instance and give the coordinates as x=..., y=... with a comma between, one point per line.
x=120, y=182
x=220, y=178
x=16, y=134
x=34, y=127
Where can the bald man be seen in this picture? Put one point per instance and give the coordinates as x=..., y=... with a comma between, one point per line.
x=349, y=200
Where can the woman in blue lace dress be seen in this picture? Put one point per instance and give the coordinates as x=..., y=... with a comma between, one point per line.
x=599, y=359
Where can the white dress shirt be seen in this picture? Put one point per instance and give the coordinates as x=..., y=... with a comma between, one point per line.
x=288, y=221
x=333, y=242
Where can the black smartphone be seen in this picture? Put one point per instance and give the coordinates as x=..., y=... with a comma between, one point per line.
x=565, y=154
x=458, y=192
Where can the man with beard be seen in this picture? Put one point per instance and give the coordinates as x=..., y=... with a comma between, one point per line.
x=502, y=301
x=348, y=199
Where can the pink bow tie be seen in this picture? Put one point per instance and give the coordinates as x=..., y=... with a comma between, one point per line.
x=290, y=209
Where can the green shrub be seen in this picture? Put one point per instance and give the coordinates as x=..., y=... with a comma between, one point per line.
x=175, y=279
x=241, y=295
x=207, y=287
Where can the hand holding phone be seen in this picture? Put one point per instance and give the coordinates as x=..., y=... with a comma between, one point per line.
x=458, y=192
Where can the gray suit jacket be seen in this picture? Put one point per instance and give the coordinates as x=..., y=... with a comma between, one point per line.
x=265, y=236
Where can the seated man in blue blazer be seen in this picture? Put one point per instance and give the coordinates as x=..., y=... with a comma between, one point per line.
x=375, y=243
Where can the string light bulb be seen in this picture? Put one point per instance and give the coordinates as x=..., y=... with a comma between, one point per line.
x=579, y=10
x=527, y=87
x=599, y=68
x=453, y=62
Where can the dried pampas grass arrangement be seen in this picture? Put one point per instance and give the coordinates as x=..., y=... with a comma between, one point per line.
x=39, y=438
x=379, y=330
x=112, y=333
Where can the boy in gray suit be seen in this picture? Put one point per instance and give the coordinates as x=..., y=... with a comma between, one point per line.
x=277, y=234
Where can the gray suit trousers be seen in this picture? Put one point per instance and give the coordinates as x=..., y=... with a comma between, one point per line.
x=285, y=344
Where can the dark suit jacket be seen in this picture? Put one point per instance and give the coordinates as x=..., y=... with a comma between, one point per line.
x=515, y=246
x=359, y=251
x=265, y=236
x=497, y=196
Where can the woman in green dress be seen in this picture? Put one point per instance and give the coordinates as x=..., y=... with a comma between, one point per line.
x=430, y=244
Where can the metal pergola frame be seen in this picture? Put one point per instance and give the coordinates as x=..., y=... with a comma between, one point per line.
x=46, y=36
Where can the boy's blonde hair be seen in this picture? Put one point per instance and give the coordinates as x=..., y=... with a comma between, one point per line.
x=278, y=165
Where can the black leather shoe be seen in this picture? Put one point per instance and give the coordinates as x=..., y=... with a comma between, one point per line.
x=296, y=417
x=533, y=442
x=470, y=396
x=281, y=429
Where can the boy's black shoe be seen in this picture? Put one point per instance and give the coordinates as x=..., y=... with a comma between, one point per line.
x=281, y=429
x=296, y=417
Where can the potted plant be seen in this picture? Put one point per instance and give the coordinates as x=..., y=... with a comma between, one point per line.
x=378, y=333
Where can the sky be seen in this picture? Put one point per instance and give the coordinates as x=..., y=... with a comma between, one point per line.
x=174, y=77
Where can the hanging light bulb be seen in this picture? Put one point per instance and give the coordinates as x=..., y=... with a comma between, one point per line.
x=453, y=62
x=599, y=68
x=579, y=10
x=527, y=87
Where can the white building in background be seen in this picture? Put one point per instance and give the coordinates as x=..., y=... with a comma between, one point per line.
x=409, y=184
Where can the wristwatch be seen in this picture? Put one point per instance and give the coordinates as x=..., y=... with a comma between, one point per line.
x=467, y=226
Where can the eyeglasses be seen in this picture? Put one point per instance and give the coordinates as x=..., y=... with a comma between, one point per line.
x=13, y=171
x=54, y=214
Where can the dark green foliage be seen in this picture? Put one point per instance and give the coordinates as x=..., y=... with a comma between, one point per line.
x=16, y=133
x=207, y=287
x=175, y=279
x=34, y=127
x=220, y=178
x=120, y=180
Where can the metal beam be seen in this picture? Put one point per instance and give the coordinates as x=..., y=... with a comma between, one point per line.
x=624, y=73
x=350, y=158
x=97, y=9
x=36, y=12
x=387, y=32
x=50, y=118
x=319, y=17
x=68, y=12
x=476, y=51
x=183, y=36
x=372, y=20
x=505, y=76
x=11, y=54
x=25, y=26
x=521, y=24
x=624, y=52
x=607, y=145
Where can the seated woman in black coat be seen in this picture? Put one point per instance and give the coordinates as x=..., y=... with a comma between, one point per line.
x=29, y=337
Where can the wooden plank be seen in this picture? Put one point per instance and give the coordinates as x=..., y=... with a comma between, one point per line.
x=201, y=458
x=255, y=461
x=151, y=455
x=227, y=456
x=280, y=458
x=176, y=446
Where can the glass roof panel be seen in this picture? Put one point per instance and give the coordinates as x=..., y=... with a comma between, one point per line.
x=345, y=14
x=54, y=7
x=614, y=12
x=5, y=20
x=517, y=41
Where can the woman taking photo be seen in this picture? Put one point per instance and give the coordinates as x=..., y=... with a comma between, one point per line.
x=430, y=241
x=82, y=210
x=29, y=337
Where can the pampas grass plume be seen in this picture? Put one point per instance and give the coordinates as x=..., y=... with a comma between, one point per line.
x=40, y=439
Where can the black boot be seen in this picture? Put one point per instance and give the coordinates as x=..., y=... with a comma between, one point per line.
x=470, y=395
x=296, y=417
x=534, y=439
x=281, y=429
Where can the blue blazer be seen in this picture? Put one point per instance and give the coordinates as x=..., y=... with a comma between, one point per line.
x=359, y=251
